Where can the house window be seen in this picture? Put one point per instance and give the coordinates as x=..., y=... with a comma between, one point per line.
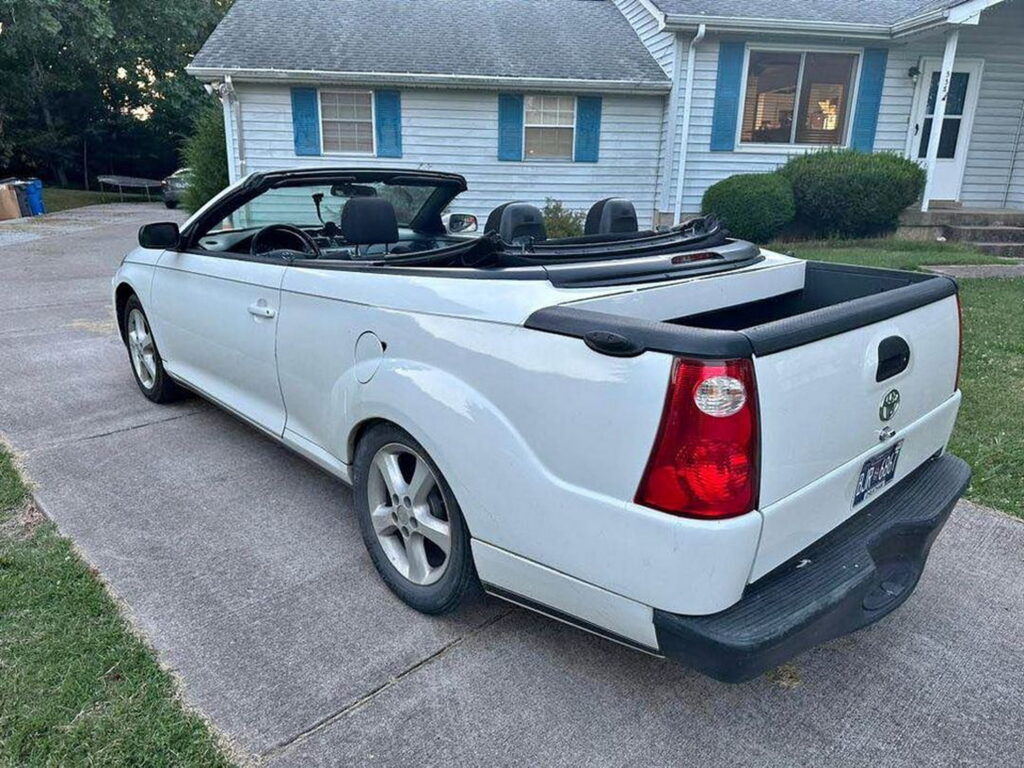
x=550, y=127
x=797, y=97
x=346, y=121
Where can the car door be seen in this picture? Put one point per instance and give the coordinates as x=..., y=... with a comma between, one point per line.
x=215, y=318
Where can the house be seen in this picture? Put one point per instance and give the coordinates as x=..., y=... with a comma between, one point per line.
x=653, y=100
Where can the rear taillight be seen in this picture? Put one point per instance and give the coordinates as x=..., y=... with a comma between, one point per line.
x=705, y=458
x=960, y=350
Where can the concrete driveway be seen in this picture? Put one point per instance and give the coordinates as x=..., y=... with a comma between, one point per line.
x=243, y=566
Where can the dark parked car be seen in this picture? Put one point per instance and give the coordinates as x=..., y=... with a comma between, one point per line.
x=174, y=186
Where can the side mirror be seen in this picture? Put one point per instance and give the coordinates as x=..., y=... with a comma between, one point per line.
x=462, y=222
x=161, y=235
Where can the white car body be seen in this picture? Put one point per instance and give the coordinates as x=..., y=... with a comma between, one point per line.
x=543, y=440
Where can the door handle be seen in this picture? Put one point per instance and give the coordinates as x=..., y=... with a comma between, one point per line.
x=260, y=309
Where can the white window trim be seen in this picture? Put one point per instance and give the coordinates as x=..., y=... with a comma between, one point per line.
x=571, y=157
x=792, y=148
x=373, y=121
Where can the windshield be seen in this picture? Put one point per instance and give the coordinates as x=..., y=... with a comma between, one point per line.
x=313, y=205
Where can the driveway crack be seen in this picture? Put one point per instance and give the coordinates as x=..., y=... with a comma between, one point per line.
x=366, y=698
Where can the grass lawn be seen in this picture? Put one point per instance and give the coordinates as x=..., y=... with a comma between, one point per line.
x=57, y=199
x=990, y=430
x=76, y=687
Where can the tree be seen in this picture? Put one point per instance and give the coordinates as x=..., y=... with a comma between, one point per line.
x=98, y=86
x=206, y=156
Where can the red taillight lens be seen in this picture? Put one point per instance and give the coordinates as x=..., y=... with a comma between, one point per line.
x=960, y=350
x=705, y=458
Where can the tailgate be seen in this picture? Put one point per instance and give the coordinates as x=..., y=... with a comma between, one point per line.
x=825, y=414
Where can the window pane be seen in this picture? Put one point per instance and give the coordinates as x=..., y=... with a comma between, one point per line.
x=549, y=142
x=824, y=98
x=550, y=110
x=947, y=138
x=346, y=105
x=771, y=97
x=348, y=136
x=957, y=92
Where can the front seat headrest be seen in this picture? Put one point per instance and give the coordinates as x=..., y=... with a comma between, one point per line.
x=369, y=221
x=613, y=214
x=517, y=222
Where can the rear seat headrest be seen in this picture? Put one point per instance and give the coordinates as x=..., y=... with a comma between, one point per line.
x=369, y=221
x=613, y=214
x=516, y=222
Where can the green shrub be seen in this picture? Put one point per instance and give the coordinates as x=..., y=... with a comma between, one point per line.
x=852, y=194
x=205, y=154
x=753, y=206
x=560, y=221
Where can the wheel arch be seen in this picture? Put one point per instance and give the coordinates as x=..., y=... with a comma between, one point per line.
x=122, y=293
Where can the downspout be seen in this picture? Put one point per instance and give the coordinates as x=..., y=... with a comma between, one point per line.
x=691, y=61
x=669, y=121
x=236, y=107
x=222, y=90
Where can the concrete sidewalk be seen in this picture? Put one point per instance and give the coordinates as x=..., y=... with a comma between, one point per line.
x=243, y=565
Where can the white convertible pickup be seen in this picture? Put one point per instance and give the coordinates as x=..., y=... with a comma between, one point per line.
x=682, y=442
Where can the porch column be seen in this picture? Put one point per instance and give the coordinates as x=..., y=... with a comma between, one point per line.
x=939, y=115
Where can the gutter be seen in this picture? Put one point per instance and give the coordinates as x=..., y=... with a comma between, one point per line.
x=485, y=82
x=691, y=61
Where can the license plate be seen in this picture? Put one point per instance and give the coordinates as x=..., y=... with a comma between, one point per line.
x=877, y=472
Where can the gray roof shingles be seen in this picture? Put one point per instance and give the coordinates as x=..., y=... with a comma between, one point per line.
x=878, y=12
x=556, y=39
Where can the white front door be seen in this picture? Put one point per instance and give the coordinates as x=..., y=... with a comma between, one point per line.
x=955, y=136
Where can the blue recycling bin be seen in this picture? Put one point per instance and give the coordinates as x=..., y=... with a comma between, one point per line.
x=34, y=193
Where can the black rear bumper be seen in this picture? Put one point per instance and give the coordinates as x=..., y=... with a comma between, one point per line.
x=848, y=579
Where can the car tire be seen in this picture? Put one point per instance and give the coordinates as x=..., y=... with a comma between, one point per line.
x=171, y=203
x=144, y=357
x=404, y=518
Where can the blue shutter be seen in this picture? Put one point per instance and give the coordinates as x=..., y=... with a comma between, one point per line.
x=727, y=96
x=388, y=110
x=510, y=126
x=306, y=121
x=869, y=99
x=588, y=128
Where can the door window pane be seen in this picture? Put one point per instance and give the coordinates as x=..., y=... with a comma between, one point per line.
x=957, y=93
x=824, y=98
x=770, y=99
x=948, y=138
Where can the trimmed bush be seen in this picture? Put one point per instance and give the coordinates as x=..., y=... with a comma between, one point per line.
x=560, y=221
x=205, y=153
x=848, y=193
x=753, y=206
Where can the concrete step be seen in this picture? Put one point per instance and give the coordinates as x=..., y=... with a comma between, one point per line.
x=963, y=217
x=977, y=234
x=1004, y=250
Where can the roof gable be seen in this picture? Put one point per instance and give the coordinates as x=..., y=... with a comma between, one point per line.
x=574, y=40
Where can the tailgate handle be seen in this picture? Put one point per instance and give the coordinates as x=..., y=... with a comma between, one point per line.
x=893, y=357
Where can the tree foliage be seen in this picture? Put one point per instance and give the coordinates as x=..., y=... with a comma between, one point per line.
x=560, y=221
x=98, y=86
x=206, y=156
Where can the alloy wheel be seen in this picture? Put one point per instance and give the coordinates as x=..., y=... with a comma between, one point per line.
x=141, y=348
x=409, y=514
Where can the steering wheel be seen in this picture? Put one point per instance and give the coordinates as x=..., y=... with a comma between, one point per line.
x=309, y=248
